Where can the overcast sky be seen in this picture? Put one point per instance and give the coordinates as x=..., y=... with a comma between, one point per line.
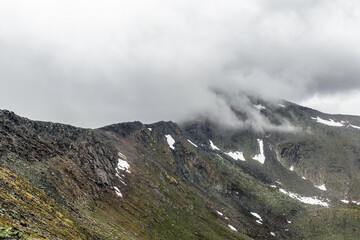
x=91, y=63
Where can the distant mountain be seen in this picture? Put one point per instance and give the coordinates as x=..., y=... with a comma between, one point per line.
x=299, y=178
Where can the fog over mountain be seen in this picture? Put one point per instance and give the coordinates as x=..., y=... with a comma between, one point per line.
x=90, y=63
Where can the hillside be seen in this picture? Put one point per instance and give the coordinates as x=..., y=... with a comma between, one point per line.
x=192, y=180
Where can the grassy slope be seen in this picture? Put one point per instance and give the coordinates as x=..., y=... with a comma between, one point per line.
x=31, y=211
x=158, y=204
x=329, y=224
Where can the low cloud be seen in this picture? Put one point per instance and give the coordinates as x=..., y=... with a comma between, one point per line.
x=240, y=111
x=92, y=63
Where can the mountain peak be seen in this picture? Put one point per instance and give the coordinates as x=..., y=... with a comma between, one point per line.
x=138, y=181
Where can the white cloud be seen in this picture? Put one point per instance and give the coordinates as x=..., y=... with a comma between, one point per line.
x=91, y=63
x=344, y=103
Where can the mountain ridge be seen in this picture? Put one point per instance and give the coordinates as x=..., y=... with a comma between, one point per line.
x=128, y=181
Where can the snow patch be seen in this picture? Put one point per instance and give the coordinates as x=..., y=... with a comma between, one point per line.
x=307, y=200
x=122, y=164
x=303, y=177
x=292, y=168
x=192, y=143
x=273, y=234
x=236, y=155
x=347, y=201
x=117, y=191
x=289, y=222
x=232, y=228
x=259, y=107
x=260, y=157
x=213, y=147
x=150, y=129
x=321, y=187
x=170, y=141
x=353, y=126
x=273, y=186
x=256, y=215
x=258, y=221
x=329, y=122
x=282, y=105
x=220, y=213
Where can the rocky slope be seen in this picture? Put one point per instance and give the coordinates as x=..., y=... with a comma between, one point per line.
x=196, y=180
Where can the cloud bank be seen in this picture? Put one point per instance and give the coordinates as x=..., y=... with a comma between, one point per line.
x=91, y=63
